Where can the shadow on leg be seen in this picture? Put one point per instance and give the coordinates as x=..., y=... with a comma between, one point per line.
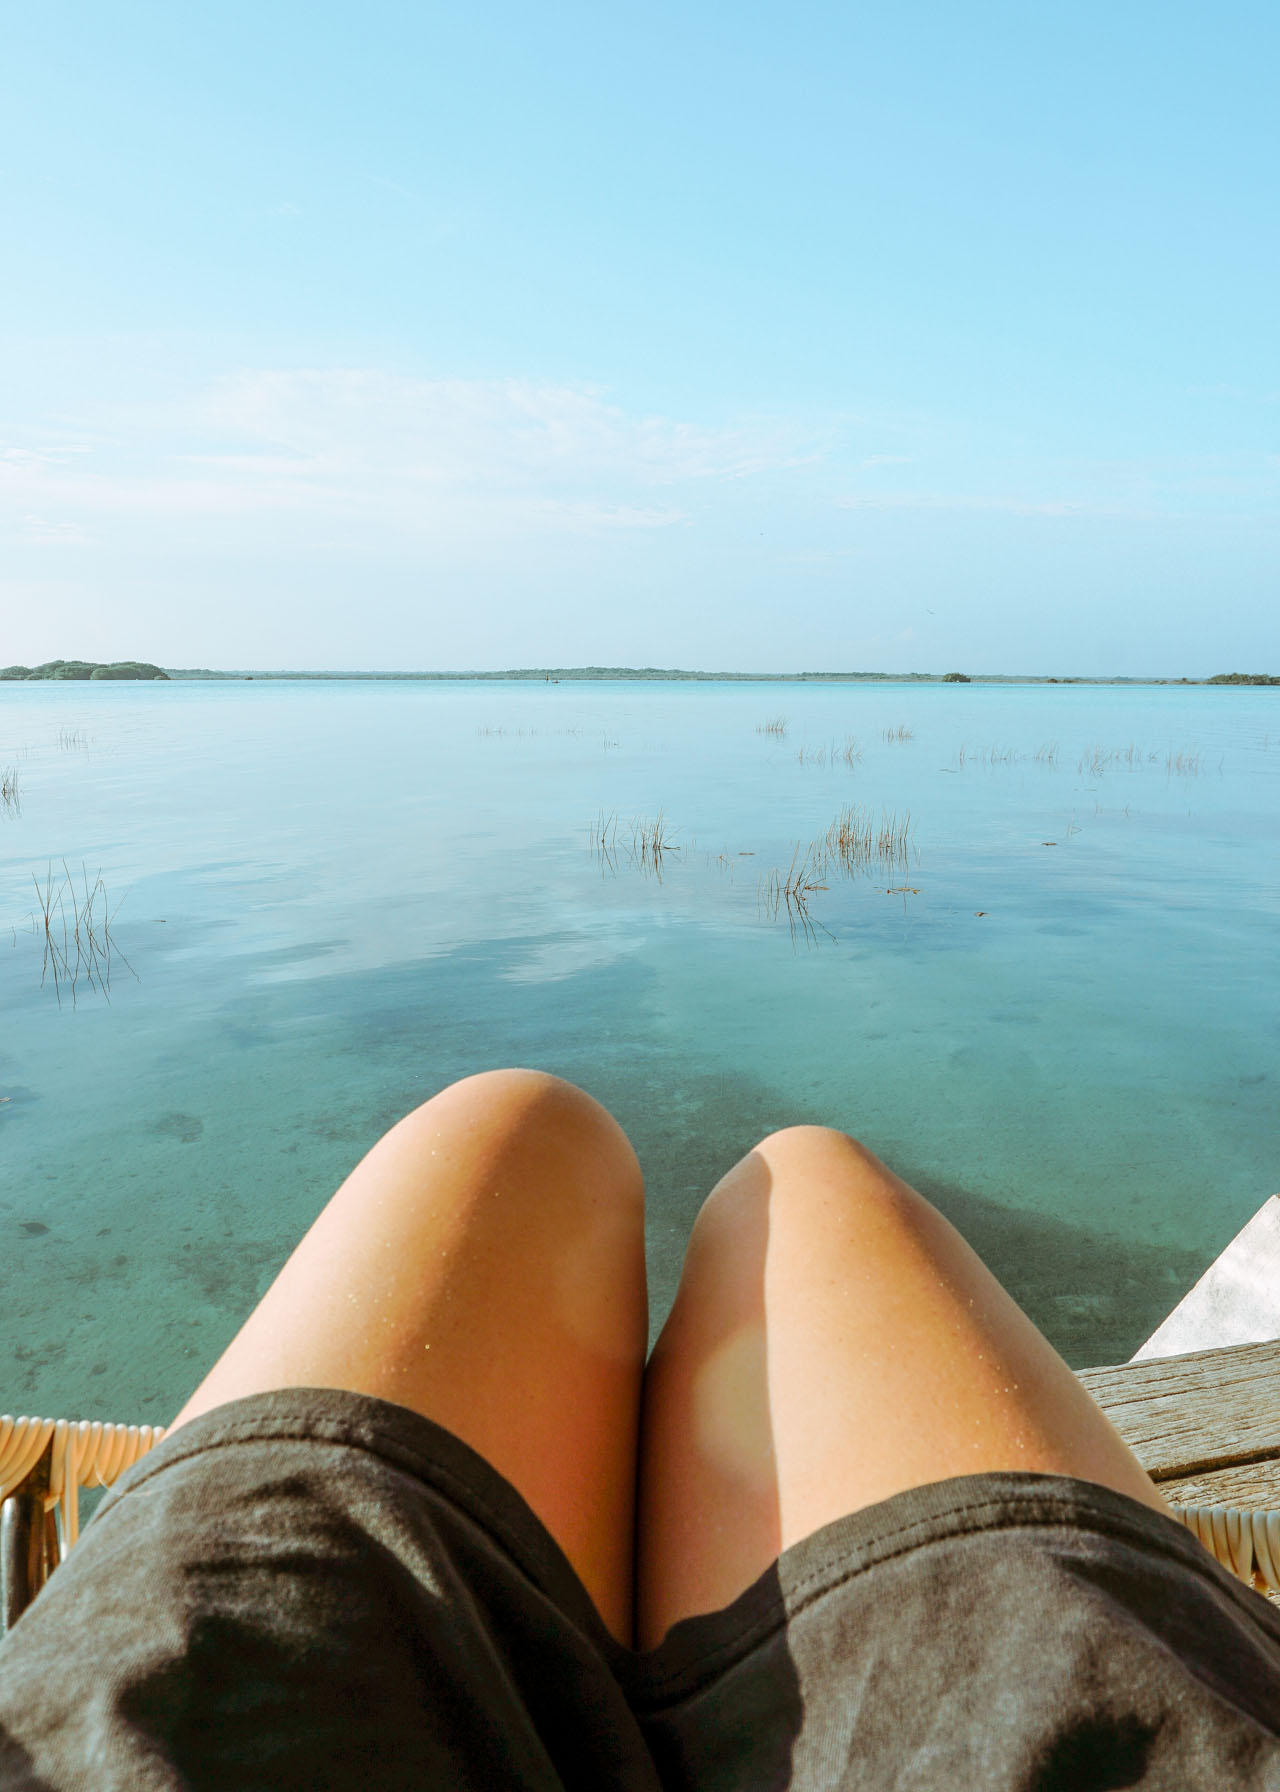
x=484, y=1265
x=834, y=1341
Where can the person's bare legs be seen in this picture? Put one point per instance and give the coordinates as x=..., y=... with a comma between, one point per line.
x=834, y=1341
x=484, y=1265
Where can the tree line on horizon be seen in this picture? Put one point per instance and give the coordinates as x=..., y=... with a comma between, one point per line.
x=82, y=671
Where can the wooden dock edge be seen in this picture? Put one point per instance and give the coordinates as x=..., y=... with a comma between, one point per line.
x=1205, y=1425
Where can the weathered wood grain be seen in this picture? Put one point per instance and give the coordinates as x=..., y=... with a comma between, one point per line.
x=1188, y=1416
x=1255, y=1484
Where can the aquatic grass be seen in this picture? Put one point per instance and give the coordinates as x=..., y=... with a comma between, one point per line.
x=1185, y=762
x=73, y=740
x=898, y=734
x=1097, y=760
x=847, y=752
x=646, y=842
x=776, y=726
x=859, y=842
x=485, y=730
x=73, y=922
x=651, y=841
x=786, y=893
x=10, y=800
x=987, y=756
x=1046, y=754
x=603, y=838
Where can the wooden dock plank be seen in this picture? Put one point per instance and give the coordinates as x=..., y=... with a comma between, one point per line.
x=1186, y=1416
x=1205, y=1426
x=1255, y=1484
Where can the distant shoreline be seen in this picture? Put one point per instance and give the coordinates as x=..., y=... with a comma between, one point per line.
x=84, y=671
x=666, y=675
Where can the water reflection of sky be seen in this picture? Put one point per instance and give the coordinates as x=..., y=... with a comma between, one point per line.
x=337, y=897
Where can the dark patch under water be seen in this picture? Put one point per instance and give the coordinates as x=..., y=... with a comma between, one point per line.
x=1095, y=1294
x=185, y=1127
x=415, y=1028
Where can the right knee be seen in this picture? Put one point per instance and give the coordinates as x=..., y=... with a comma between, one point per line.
x=804, y=1172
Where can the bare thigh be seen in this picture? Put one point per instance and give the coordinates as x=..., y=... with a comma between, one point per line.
x=484, y=1265
x=834, y=1341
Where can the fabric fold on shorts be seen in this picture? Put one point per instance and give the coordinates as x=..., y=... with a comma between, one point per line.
x=313, y=1588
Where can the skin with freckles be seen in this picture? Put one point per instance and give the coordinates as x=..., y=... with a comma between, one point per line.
x=833, y=1341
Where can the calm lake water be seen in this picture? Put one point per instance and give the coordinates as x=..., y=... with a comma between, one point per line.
x=1057, y=1016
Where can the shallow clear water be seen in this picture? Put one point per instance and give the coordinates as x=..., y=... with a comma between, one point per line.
x=335, y=898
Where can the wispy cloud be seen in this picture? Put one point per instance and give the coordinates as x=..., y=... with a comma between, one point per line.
x=356, y=447
x=42, y=529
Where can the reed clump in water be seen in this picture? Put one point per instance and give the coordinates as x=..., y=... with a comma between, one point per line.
x=645, y=842
x=856, y=844
x=988, y=756
x=776, y=726
x=787, y=892
x=73, y=740
x=486, y=731
x=1185, y=762
x=846, y=752
x=859, y=842
x=896, y=735
x=74, y=922
x=1097, y=760
x=10, y=801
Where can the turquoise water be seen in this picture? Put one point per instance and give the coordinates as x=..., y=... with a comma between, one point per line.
x=335, y=898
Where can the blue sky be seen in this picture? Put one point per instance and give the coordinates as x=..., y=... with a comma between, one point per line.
x=819, y=337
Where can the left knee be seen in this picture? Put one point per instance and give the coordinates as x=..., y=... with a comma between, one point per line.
x=534, y=1110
